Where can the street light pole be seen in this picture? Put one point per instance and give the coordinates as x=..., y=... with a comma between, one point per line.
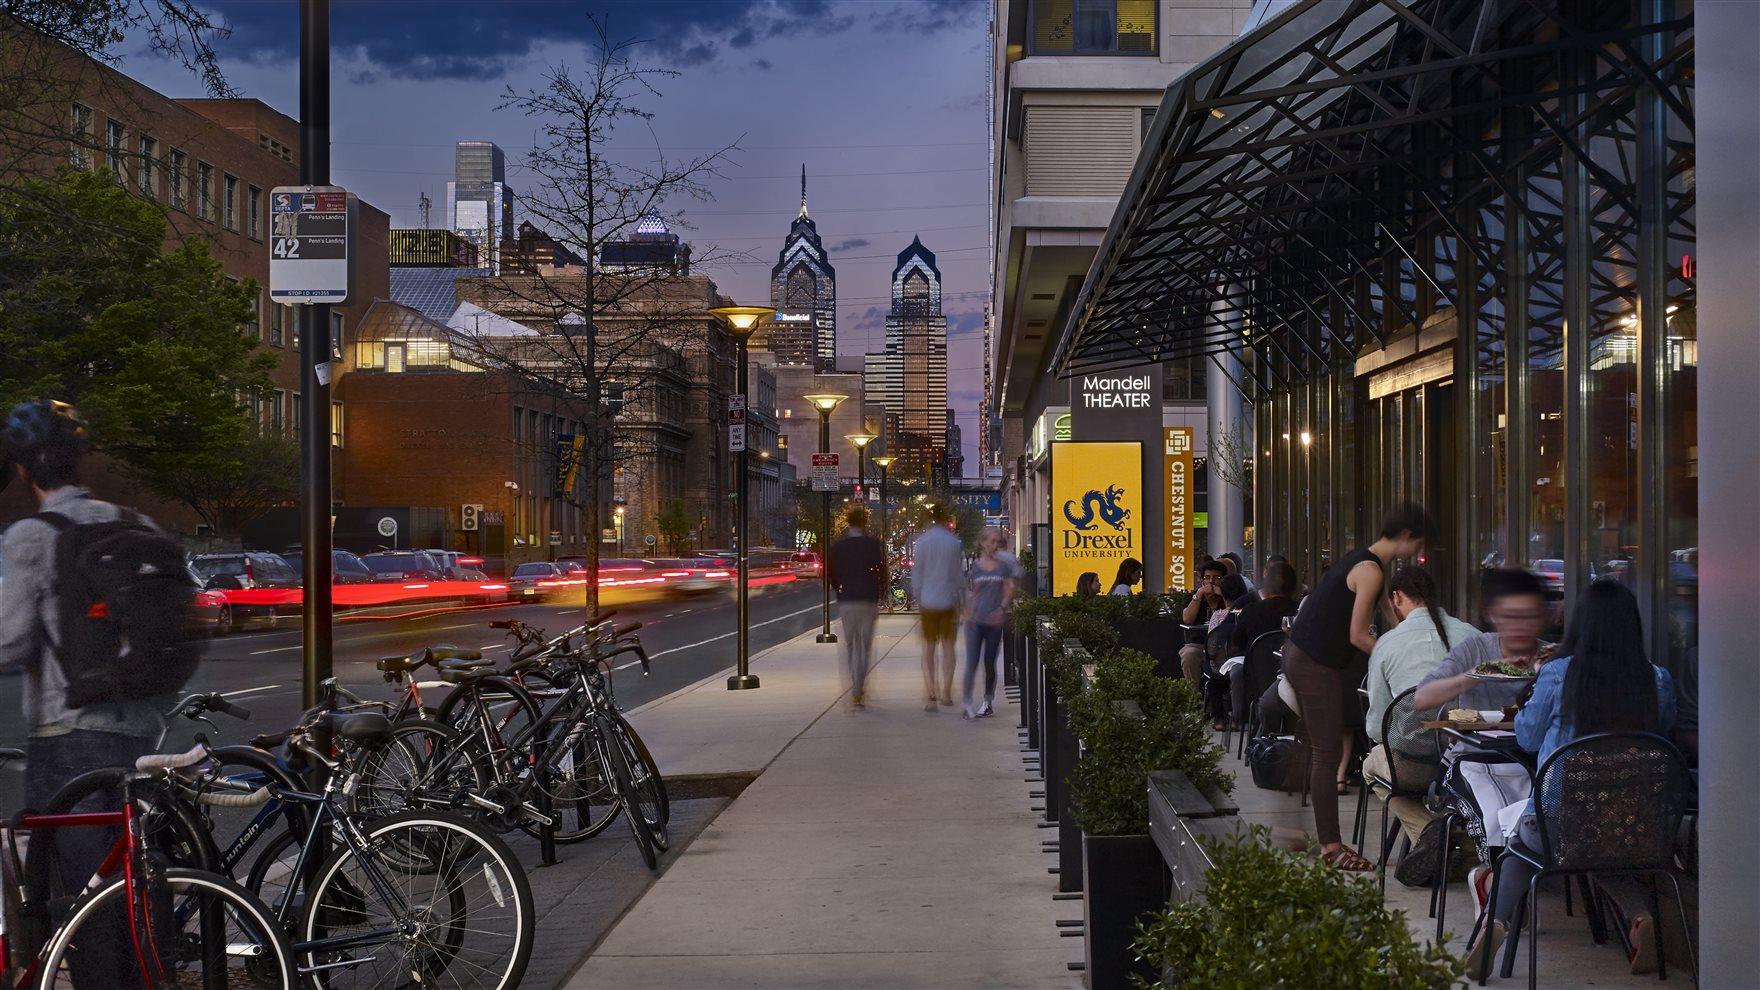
x=860, y=442
x=314, y=351
x=741, y=321
x=825, y=402
x=883, y=462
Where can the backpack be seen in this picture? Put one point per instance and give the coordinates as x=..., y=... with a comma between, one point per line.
x=122, y=595
x=1278, y=763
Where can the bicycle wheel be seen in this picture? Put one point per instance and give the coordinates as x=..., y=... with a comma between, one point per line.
x=420, y=767
x=581, y=796
x=194, y=929
x=169, y=826
x=619, y=760
x=463, y=918
x=652, y=769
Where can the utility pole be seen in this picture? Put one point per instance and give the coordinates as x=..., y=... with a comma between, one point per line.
x=314, y=363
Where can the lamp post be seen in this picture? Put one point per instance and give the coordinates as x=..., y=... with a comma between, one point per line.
x=825, y=402
x=860, y=442
x=741, y=321
x=883, y=462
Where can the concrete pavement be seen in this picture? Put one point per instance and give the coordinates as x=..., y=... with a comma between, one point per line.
x=886, y=847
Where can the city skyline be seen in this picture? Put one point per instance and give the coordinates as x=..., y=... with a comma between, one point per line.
x=910, y=161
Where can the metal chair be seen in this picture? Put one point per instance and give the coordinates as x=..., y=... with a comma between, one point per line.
x=1413, y=757
x=1605, y=805
x=1257, y=674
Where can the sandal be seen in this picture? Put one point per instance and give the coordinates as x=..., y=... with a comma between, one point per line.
x=1344, y=787
x=1347, y=860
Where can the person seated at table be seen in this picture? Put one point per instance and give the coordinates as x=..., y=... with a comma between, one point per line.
x=1257, y=617
x=1400, y=661
x=1088, y=585
x=1515, y=604
x=1216, y=643
x=1130, y=571
x=1206, y=599
x=1601, y=682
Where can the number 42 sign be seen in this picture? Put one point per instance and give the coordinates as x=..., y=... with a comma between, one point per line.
x=311, y=236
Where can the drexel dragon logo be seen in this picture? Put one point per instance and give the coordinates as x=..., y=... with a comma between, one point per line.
x=1104, y=505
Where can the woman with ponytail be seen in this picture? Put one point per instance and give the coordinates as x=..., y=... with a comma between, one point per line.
x=1402, y=658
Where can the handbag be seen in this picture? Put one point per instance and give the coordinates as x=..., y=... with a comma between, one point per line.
x=1278, y=763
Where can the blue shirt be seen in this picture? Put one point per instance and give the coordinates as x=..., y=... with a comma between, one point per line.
x=937, y=570
x=1540, y=725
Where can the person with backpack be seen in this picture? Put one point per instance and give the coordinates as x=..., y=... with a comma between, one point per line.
x=94, y=610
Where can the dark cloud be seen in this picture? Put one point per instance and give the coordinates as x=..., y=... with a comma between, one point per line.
x=763, y=64
x=479, y=41
x=849, y=244
x=960, y=324
x=873, y=318
x=927, y=16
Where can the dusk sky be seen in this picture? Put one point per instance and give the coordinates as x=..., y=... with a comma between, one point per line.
x=882, y=100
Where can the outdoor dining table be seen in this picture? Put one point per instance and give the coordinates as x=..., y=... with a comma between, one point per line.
x=1477, y=736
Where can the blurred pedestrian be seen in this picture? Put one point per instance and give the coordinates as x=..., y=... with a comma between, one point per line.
x=1130, y=571
x=990, y=590
x=858, y=573
x=1334, y=632
x=938, y=579
x=1088, y=585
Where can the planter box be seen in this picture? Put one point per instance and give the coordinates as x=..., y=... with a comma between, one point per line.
x=1180, y=815
x=1122, y=882
x=1160, y=638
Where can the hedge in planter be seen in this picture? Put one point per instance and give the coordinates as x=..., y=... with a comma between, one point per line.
x=1108, y=794
x=1274, y=919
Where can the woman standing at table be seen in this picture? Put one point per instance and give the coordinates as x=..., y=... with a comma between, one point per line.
x=1335, y=628
x=1602, y=682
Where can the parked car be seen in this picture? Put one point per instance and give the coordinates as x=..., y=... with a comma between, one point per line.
x=246, y=570
x=533, y=582
x=403, y=565
x=1551, y=575
x=345, y=567
x=457, y=566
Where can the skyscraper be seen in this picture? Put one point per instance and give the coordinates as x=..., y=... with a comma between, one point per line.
x=803, y=288
x=479, y=205
x=913, y=370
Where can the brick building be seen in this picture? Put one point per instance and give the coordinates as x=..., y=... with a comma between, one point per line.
x=210, y=165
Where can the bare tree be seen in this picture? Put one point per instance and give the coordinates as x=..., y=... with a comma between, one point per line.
x=631, y=326
x=1231, y=451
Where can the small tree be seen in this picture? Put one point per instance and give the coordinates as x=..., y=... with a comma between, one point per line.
x=627, y=328
x=674, y=524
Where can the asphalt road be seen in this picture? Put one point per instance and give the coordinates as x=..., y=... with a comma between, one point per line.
x=687, y=639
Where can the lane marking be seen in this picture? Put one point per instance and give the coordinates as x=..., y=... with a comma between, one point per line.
x=713, y=639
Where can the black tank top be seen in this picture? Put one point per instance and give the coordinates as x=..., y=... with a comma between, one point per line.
x=1323, y=630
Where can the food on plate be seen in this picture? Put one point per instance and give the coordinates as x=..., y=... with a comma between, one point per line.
x=1466, y=715
x=1503, y=668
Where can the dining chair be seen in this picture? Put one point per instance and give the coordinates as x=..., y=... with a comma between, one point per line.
x=1413, y=759
x=1257, y=674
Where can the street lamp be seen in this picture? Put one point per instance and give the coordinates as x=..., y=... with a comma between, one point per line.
x=825, y=402
x=860, y=441
x=741, y=321
x=883, y=462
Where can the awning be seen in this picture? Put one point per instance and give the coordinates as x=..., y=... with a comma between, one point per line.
x=1291, y=186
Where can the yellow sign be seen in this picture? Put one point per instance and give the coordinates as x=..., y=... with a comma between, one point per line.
x=1176, y=469
x=1096, y=510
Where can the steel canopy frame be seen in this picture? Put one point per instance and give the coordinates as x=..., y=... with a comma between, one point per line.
x=1306, y=164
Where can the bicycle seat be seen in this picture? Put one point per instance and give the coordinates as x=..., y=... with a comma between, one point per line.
x=465, y=664
x=396, y=665
x=362, y=728
x=461, y=675
x=441, y=654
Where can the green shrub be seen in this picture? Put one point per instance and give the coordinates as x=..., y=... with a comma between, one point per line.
x=1108, y=793
x=1271, y=919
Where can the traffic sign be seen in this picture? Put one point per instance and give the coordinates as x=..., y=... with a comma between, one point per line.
x=470, y=516
x=825, y=472
x=649, y=539
x=309, y=241
x=387, y=526
x=736, y=424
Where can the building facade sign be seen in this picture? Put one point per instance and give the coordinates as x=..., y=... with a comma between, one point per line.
x=1096, y=510
x=825, y=472
x=1176, y=466
x=1125, y=407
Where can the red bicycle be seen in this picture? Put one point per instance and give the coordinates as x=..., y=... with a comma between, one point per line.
x=139, y=921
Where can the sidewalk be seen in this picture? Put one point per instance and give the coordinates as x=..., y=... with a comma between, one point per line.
x=880, y=848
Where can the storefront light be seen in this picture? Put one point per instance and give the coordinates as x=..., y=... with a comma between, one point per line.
x=1307, y=439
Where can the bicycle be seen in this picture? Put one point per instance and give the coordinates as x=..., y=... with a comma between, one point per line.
x=137, y=918
x=409, y=897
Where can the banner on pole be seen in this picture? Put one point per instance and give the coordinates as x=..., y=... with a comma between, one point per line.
x=1176, y=467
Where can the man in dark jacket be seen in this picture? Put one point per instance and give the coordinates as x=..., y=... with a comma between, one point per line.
x=858, y=573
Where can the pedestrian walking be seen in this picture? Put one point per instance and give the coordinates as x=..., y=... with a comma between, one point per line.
x=94, y=610
x=858, y=574
x=1323, y=647
x=990, y=589
x=937, y=579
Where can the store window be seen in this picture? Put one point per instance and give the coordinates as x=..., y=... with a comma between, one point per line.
x=1094, y=27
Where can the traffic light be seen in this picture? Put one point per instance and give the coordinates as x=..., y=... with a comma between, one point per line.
x=614, y=398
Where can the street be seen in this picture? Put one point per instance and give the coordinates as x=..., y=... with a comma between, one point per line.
x=687, y=639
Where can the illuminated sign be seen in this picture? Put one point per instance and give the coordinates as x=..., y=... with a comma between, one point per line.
x=1096, y=510
x=1116, y=392
x=1176, y=468
x=1051, y=426
x=794, y=317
